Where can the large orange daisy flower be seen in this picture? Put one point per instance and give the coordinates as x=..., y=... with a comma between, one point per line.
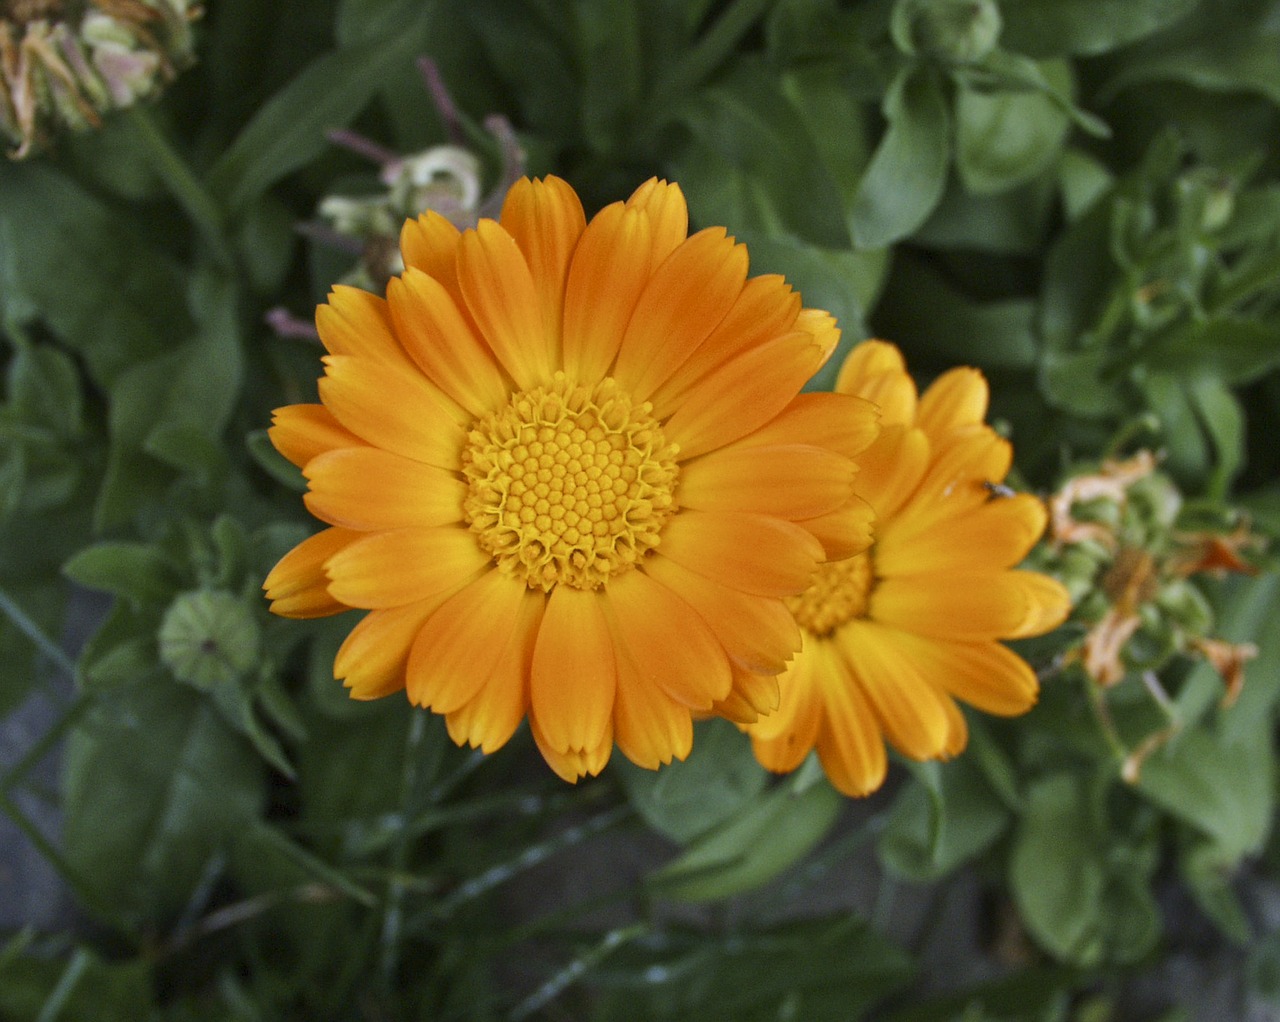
x=893, y=636
x=569, y=473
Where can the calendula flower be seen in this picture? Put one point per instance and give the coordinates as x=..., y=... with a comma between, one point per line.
x=65, y=63
x=893, y=636
x=569, y=473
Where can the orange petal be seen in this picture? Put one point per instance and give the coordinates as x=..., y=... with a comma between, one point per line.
x=399, y=411
x=650, y=727
x=890, y=470
x=664, y=205
x=297, y=586
x=609, y=270
x=909, y=709
x=766, y=308
x=574, y=674
x=963, y=605
x=798, y=714
x=443, y=344
x=850, y=743
x=956, y=398
x=391, y=569
x=821, y=325
x=369, y=488
x=792, y=482
x=505, y=304
x=460, y=645
x=300, y=432
x=371, y=660
x=847, y=531
x=743, y=394
x=546, y=219
x=1048, y=604
x=756, y=631
x=430, y=244
x=672, y=647
x=688, y=295
x=752, y=697
x=986, y=675
x=956, y=481
x=752, y=553
x=876, y=370
x=489, y=720
x=839, y=422
x=355, y=322
x=995, y=534
x=572, y=764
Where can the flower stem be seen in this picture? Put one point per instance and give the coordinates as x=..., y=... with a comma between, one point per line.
x=183, y=185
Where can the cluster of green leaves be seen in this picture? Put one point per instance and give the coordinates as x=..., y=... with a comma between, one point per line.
x=1077, y=196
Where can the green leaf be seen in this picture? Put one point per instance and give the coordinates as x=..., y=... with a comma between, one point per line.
x=752, y=164
x=136, y=571
x=1236, y=350
x=358, y=21
x=61, y=250
x=80, y=987
x=1006, y=138
x=1223, y=789
x=1044, y=28
x=1055, y=873
x=946, y=817
x=288, y=132
x=608, y=41
x=769, y=834
x=907, y=175
x=685, y=800
x=156, y=784
x=44, y=389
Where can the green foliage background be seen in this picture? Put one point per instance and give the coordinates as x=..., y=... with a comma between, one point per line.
x=1089, y=211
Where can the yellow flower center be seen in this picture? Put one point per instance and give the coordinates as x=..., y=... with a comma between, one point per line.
x=569, y=484
x=838, y=593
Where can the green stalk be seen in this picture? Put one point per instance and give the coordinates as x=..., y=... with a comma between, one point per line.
x=183, y=185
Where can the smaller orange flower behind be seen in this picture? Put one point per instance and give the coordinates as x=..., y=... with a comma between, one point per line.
x=893, y=636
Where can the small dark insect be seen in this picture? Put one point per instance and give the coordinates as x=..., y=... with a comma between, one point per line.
x=998, y=490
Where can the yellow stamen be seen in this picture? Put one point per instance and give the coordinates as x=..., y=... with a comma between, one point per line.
x=838, y=593
x=569, y=484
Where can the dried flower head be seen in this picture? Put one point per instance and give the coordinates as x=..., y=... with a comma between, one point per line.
x=65, y=63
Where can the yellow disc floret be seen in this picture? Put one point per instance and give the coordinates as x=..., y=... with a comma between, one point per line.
x=838, y=593
x=569, y=484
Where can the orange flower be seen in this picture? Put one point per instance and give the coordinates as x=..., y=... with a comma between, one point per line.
x=569, y=473
x=893, y=636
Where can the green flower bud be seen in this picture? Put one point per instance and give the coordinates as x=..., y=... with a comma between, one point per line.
x=208, y=638
x=1186, y=607
x=956, y=31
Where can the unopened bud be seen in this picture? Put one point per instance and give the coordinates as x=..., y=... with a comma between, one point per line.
x=208, y=638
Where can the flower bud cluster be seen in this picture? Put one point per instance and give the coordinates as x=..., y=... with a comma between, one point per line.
x=65, y=64
x=1118, y=542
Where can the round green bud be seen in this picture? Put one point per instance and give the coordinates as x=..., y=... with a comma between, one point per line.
x=208, y=638
x=956, y=31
